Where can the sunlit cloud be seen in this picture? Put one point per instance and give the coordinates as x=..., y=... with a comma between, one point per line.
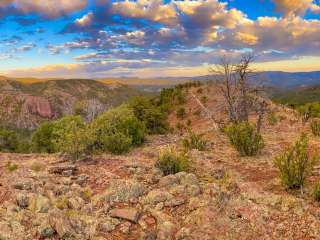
x=296, y=7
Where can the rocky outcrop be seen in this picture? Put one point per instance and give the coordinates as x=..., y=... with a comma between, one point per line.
x=27, y=105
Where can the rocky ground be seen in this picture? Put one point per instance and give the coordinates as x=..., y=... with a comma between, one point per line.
x=224, y=196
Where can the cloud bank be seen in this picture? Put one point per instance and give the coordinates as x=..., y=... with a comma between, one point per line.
x=157, y=34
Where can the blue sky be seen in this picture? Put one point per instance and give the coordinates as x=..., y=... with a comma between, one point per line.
x=151, y=38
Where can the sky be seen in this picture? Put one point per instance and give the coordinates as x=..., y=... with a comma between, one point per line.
x=155, y=38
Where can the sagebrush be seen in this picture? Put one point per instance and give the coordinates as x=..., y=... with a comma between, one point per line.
x=171, y=161
x=315, y=127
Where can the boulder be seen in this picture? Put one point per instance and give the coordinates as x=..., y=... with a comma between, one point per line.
x=22, y=200
x=23, y=185
x=166, y=231
x=157, y=196
x=75, y=203
x=82, y=179
x=62, y=169
x=60, y=223
x=40, y=204
x=108, y=224
x=130, y=214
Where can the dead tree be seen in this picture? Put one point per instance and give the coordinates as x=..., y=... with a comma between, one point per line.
x=242, y=73
x=240, y=97
x=228, y=87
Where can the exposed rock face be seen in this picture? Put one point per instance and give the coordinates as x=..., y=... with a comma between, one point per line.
x=38, y=106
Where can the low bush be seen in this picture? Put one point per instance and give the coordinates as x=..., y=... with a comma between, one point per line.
x=8, y=141
x=11, y=167
x=197, y=112
x=70, y=136
x=316, y=191
x=117, y=143
x=296, y=164
x=195, y=141
x=315, y=127
x=245, y=138
x=154, y=118
x=43, y=138
x=117, y=130
x=272, y=119
x=204, y=100
x=170, y=161
x=180, y=127
x=181, y=113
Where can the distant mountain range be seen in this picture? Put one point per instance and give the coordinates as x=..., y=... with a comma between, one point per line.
x=277, y=79
x=274, y=79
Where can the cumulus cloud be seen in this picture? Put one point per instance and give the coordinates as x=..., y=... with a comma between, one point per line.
x=153, y=10
x=296, y=36
x=48, y=8
x=5, y=3
x=296, y=7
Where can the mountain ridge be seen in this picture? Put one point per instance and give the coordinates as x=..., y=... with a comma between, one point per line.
x=279, y=79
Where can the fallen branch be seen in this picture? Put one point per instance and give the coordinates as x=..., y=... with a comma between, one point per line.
x=209, y=114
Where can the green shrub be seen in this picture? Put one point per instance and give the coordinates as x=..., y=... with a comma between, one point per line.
x=295, y=164
x=11, y=167
x=189, y=123
x=180, y=96
x=71, y=136
x=204, y=100
x=180, y=127
x=312, y=109
x=197, y=112
x=87, y=194
x=315, y=127
x=316, y=191
x=117, y=143
x=171, y=96
x=181, y=113
x=244, y=137
x=80, y=109
x=195, y=141
x=37, y=167
x=117, y=130
x=43, y=138
x=170, y=161
x=272, y=119
x=150, y=114
x=8, y=141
